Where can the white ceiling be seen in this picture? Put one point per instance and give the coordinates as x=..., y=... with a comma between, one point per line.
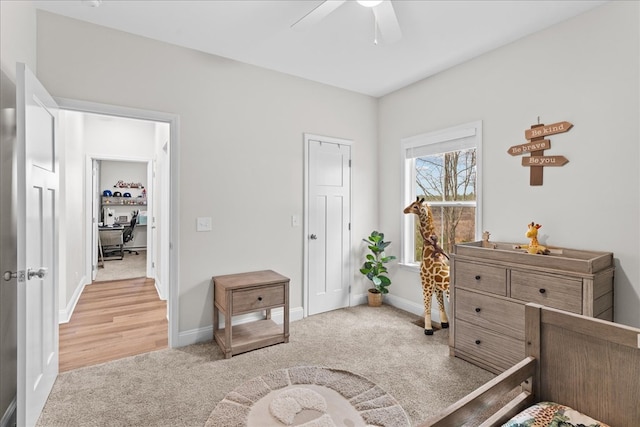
x=339, y=50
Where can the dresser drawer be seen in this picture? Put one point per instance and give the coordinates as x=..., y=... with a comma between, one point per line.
x=499, y=315
x=487, y=278
x=502, y=351
x=551, y=290
x=253, y=299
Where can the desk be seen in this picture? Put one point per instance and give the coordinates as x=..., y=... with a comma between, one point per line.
x=110, y=236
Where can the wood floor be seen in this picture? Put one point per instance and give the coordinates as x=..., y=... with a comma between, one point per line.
x=113, y=320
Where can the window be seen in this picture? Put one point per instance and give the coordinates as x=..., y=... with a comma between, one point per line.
x=444, y=168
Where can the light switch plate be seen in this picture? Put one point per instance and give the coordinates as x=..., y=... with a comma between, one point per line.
x=295, y=221
x=203, y=223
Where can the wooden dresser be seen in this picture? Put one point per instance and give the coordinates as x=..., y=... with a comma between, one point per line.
x=491, y=283
x=242, y=293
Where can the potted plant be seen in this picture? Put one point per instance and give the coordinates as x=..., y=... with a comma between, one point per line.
x=374, y=267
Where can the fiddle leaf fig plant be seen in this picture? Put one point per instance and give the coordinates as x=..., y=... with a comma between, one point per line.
x=374, y=266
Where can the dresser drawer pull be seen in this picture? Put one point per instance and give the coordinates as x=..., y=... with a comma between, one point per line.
x=259, y=298
x=478, y=342
x=478, y=277
x=478, y=309
x=543, y=290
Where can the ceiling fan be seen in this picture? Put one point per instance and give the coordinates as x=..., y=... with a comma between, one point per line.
x=386, y=22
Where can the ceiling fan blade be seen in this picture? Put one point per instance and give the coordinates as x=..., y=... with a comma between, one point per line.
x=387, y=22
x=317, y=14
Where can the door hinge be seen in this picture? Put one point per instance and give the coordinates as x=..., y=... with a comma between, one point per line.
x=349, y=226
x=153, y=265
x=349, y=162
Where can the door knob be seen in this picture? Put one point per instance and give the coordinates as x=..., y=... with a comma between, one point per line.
x=8, y=275
x=313, y=237
x=40, y=273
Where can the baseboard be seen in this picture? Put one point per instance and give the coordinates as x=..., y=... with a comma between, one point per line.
x=64, y=315
x=195, y=336
x=403, y=304
x=9, y=417
x=158, y=286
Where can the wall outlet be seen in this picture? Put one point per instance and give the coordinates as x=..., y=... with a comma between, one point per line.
x=203, y=223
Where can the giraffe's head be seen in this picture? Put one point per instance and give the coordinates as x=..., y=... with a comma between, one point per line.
x=532, y=232
x=415, y=207
x=422, y=209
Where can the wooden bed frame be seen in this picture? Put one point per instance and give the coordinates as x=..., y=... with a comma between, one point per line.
x=588, y=364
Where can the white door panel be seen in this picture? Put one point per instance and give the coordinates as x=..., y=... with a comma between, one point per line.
x=328, y=220
x=37, y=239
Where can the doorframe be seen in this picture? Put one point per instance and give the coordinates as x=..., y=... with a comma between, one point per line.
x=92, y=198
x=308, y=137
x=174, y=190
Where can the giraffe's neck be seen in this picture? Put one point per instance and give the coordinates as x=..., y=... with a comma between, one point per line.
x=426, y=224
x=427, y=253
x=534, y=241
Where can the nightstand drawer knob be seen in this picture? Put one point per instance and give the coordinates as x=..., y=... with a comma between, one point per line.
x=543, y=290
x=478, y=342
x=478, y=309
x=478, y=277
x=259, y=298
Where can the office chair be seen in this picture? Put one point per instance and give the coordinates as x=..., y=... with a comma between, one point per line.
x=127, y=234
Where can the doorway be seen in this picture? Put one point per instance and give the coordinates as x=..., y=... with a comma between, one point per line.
x=327, y=260
x=120, y=192
x=162, y=187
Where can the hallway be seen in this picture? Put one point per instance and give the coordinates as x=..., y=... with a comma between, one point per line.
x=113, y=320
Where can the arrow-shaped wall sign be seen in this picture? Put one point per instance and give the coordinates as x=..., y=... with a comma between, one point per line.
x=536, y=146
x=544, y=161
x=517, y=150
x=540, y=131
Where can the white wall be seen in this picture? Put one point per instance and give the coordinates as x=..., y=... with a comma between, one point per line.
x=73, y=235
x=118, y=137
x=585, y=71
x=241, y=146
x=17, y=36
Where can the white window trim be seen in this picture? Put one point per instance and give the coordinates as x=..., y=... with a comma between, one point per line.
x=432, y=142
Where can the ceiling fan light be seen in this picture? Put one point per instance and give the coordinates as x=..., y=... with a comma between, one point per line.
x=369, y=3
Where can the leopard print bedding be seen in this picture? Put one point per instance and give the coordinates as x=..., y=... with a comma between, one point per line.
x=550, y=414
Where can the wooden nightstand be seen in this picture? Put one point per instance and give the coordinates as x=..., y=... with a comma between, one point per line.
x=243, y=293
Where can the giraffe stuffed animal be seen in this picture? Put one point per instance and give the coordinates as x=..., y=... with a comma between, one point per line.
x=534, y=247
x=434, y=270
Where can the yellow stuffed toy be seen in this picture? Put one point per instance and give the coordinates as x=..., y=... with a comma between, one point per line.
x=534, y=247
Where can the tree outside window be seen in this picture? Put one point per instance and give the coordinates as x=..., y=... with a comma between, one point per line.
x=444, y=167
x=447, y=181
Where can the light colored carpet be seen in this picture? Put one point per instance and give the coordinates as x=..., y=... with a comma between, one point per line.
x=182, y=386
x=308, y=396
x=132, y=266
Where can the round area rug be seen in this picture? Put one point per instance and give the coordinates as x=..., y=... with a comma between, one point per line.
x=308, y=396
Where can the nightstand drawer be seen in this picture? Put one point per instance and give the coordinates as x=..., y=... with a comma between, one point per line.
x=257, y=298
x=481, y=277
x=502, y=351
x=499, y=315
x=550, y=290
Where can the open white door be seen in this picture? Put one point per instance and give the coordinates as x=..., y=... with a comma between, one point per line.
x=37, y=238
x=328, y=223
